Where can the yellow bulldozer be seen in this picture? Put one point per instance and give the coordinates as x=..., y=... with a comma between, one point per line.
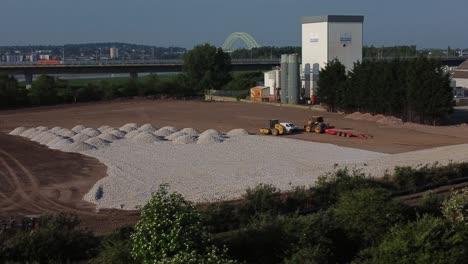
x=274, y=128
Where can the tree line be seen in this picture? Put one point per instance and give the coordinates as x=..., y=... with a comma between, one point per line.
x=346, y=217
x=415, y=90
x=205, y=68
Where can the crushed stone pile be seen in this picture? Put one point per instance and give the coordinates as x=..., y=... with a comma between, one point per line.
x=92, y=132
x=67, y=133
x=133, y=134
x=129, y=127
x=103, y=128
x=78, y=128
x=29, y=133
x=97, y=142
x=170, y=128
x=55, y=140
x=118, y=133
x=175, y=135
x=39, y=136
x=80, y=137
x=185, y=139
x=77, y=147
x=163, y=132
x=42, y=128
x=146, y=137
x=238, y=132
x=353, y=115
x=108, y=137
x=147, y=127
x=46, y=138
x=55, y=129
x=210, y=138
x=390, y=120
x=190, y=131
x=17, y=131
x=62, y=144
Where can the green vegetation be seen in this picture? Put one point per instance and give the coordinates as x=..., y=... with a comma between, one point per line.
x=416, y=90
x=346, y=217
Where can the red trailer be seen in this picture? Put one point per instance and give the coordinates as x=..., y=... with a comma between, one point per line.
x=346, y=133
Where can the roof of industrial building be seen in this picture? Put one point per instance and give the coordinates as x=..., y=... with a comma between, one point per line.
x=333, y=18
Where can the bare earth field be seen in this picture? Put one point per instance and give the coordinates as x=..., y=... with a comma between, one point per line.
x=35, y=179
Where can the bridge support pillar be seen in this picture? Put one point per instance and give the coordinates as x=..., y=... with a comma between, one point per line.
x=134, y=75
x=28, y=78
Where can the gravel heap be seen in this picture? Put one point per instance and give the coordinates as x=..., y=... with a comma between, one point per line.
x=47, y=138
x=42, y=128
x=17, y=131
x=39, y=136
x=97, y=142
x=108, y=137
x=175, y=135
x=77, y=147
x=163, y=132
x=238, y=132
x=147, y=127
x=55, y=129
x=78, y=128
x=146, y=137
x=118, y=133
x=133, y=134
x=129, y=127
x=29, y=133
x=103, y=128
x=55, y=140
x=170, y=128
x=66, y=133
x=92, y=132
x=80, y=137
x=190, y=131
x=62, y=144
x=209, y=138
x=185, y=139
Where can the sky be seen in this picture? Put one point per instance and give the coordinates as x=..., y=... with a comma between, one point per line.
x=185, y=23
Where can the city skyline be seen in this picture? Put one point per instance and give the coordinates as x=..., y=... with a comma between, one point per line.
x=185, y=24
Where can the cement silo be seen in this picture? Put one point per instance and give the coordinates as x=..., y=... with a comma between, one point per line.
x=284, y=78
x=293, y=79
x=307, y=80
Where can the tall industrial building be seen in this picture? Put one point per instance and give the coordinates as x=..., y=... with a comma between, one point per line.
x=114, y=53
x=325, y=38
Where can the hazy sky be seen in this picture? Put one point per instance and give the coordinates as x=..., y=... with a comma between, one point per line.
x=428, y=23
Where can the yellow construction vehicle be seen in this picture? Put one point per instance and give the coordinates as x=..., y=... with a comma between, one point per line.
x=274, y=128
x=316, y=124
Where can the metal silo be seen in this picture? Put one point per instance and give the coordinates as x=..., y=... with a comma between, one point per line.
x=307, y=80
x=284, y=78
x=293, y=79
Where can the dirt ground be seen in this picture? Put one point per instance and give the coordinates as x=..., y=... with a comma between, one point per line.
x=35, y=179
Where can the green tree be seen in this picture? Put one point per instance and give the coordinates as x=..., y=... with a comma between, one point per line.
x=455, y=208
x=11, y=95
x=207, y=67
x=331, y=85
x=367, y=213
x=170, y=231
x=44, y=91
x=116, y=248
x=427, y=240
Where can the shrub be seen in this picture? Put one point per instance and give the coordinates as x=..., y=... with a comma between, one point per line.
x=455, y=208
x=44, y=91
x=263, y=199
x=58, y=239
x=116, y=248
x=427, y=240
x=367, y=213
x=430, y=203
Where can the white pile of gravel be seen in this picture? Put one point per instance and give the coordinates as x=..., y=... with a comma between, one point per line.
x=129, y=127
x=146, y=137
x=185, y=139
x=163, y=132
x=55, y=129
x=119, y=133
x=80, y=137
x=92, y=132
x=97, y=142
x=78, y=128
x=190, y=131
x=77, y=147
x=175, y=135
x=108, y=137
x=238, y=132
x=210, y=136
x=103, y=128
x=17, y=131
x=56, y=140
x=47, y=138
x=170, y=128
x=133, y=134
x=29, y=133
x=62, y=144
x=147, y=127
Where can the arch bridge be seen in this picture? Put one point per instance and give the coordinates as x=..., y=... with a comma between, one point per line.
x=245, y=37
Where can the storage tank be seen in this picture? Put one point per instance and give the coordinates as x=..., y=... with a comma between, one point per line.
x=284, y=78
x=307, y=80
x=293, y=79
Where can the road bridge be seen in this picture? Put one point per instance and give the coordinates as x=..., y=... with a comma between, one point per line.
x=29, y=69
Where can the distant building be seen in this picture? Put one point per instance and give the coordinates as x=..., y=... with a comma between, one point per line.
x=114, y=53
x=460, y=76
